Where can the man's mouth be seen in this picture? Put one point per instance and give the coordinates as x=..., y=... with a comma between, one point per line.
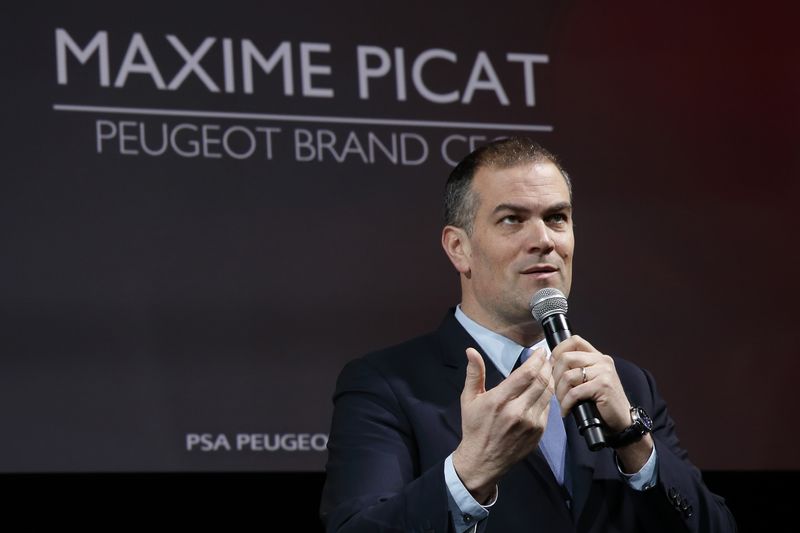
x=540, y=269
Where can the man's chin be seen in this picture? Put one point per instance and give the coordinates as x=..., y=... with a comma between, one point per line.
x=554, y=283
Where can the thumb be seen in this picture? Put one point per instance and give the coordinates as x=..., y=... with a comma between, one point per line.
x=475, y=382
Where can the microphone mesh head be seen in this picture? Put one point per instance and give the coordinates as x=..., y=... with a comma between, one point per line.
x=546, y=302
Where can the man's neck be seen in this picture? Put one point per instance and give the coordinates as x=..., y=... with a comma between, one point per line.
x=524, y=332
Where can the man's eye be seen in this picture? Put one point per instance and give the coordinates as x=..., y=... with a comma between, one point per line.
x=558, y=218
x=510, y=219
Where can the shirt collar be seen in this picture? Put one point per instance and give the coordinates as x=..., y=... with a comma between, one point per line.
x=502, y=351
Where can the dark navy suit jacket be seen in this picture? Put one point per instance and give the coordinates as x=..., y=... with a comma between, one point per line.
x=397, y=417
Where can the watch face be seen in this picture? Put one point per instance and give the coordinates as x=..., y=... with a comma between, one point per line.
x=644, y=418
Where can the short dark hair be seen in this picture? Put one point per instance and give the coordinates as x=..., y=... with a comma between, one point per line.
x=461, y=202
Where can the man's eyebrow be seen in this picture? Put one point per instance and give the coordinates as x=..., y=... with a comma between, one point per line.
x=561, y=206
x=510, y=207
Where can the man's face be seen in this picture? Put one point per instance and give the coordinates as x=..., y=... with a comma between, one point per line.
x=521, y=241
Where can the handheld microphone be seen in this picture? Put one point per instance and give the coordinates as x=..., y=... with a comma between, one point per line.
x=549, y=308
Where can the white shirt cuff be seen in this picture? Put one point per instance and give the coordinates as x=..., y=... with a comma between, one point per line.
x=466, y=511
x=644, y=479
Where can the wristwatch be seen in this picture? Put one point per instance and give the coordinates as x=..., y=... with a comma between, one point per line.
x=641, y=425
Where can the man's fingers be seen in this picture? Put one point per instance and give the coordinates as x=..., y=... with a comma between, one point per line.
x=572, y=380
x=575, y=343
x=574, y=352
x=540, y=388
x=475, y=382
x=531, y=378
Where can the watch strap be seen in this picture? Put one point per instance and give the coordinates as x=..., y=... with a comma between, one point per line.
x=639, y=427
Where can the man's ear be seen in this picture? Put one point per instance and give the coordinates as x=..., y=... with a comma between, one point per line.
x=457, y=247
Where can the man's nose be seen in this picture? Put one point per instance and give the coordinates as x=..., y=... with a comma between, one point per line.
x=539, y=237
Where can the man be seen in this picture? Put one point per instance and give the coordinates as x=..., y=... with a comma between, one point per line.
x=462, y=430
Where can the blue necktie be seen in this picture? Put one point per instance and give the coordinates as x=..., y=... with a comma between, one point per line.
x=554, y=440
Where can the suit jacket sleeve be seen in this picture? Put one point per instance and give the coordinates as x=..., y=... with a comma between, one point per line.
x=680, y=501
x=373, y=482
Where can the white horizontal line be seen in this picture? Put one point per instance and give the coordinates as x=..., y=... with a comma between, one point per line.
x=300, y=118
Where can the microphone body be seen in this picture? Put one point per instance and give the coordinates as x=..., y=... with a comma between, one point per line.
x=549, y=307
